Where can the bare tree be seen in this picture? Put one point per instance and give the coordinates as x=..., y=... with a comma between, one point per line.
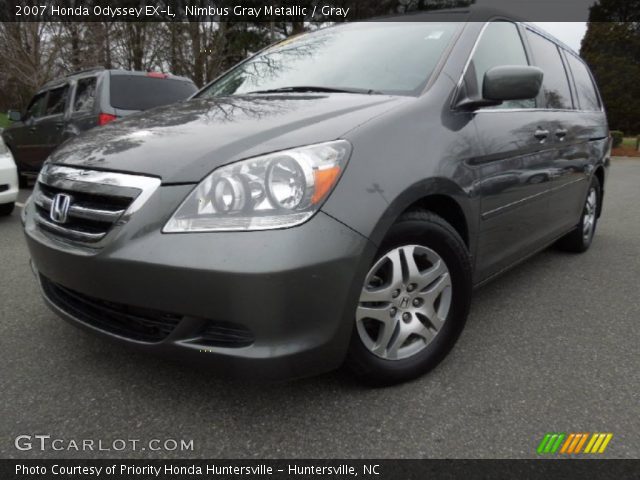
x=30, y=55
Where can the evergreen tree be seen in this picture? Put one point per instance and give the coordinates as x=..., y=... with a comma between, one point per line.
x=611, y=47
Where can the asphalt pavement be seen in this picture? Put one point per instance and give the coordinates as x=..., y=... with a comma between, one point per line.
x=551, y=346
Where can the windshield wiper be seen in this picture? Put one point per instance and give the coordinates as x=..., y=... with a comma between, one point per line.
x=363, y=91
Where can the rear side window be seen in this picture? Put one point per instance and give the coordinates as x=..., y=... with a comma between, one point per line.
x=57, y=100
x=129, y=92
x=555, y=85
x=499, y=45
x=85, y=95
x=586, y=90
x=36, y=107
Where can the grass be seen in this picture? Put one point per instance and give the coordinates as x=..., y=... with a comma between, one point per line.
x=629, y=142
x=4, y=120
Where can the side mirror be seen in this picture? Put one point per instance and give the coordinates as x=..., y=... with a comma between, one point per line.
x=14, y=115
x=512, y=83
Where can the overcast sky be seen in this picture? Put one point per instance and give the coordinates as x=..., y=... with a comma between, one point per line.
x=570, y=33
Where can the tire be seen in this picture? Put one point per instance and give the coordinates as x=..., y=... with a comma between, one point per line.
x=579, y=240
x=404, y=339
x=6, y=209
x=23, y=182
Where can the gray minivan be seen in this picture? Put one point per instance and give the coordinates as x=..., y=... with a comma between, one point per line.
x=64, y=108
x=336, y=197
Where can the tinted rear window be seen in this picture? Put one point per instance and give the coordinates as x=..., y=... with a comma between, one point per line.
x=587, y=96
x=555, y=85
x=141, y=93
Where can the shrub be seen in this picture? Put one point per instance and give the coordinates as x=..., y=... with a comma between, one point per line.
x=617, y=136
x=4, y=120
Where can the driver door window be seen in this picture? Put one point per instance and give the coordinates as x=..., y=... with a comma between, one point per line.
x=36, y=107
x=499, y=45
x=57, y=101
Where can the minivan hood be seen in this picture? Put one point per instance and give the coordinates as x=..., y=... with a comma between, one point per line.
x=182, y=143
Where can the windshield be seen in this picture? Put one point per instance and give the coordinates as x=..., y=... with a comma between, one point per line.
x=383, y=57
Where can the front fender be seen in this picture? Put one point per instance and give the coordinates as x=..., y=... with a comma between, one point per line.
x=417, y=193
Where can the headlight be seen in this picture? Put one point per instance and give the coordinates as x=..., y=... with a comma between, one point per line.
x=277, y=190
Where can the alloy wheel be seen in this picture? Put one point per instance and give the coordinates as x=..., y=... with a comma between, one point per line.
x=589, y=218
x=404, y=302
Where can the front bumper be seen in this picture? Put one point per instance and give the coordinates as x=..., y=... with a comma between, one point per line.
x=8, y=179
x=294, y=289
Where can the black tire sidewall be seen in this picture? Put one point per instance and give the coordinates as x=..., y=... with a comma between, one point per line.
x=440, y=237
x=574, y=241
x=6, y=209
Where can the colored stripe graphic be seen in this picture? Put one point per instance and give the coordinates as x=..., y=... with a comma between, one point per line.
x=598, y=443
x=566, y=445
x=581, y=443
x=550, y=443
x=543, y=443
x=572, y=443
x=557, y=443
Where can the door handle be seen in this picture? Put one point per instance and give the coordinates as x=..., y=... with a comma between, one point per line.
x=561, y=133
x=541, y=134
x=32, y=129
x=59, y=125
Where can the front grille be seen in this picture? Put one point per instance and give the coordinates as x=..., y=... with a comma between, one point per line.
x=90, y=217
x=135, y=323
x=97, y=201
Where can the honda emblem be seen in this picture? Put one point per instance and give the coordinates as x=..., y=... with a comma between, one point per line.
x=60, y=208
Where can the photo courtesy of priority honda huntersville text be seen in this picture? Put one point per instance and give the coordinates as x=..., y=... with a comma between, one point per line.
x=333, y=199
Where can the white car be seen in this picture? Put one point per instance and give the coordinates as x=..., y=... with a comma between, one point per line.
x=8, y=181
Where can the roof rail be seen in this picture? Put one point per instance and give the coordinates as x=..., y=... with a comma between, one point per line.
x=88, y=69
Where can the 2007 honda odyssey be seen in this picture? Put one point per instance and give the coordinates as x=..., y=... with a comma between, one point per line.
x=336, y=196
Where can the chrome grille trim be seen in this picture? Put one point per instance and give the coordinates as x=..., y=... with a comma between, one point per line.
x=69, y=232
x=77, y=211
x=101, y=200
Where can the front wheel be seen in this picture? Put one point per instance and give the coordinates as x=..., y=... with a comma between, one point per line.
x=6, y=209
x=414, y=301
x=23, y=181
x=579, y=240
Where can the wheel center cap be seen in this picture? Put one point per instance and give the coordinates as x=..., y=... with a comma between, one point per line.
x=404, y=302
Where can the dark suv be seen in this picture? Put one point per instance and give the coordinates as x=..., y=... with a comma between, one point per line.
x=63, y=108
x=336, y=196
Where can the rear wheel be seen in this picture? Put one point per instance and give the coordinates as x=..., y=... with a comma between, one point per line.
x=580, y=239
x=414, y=301
x=6, y=209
